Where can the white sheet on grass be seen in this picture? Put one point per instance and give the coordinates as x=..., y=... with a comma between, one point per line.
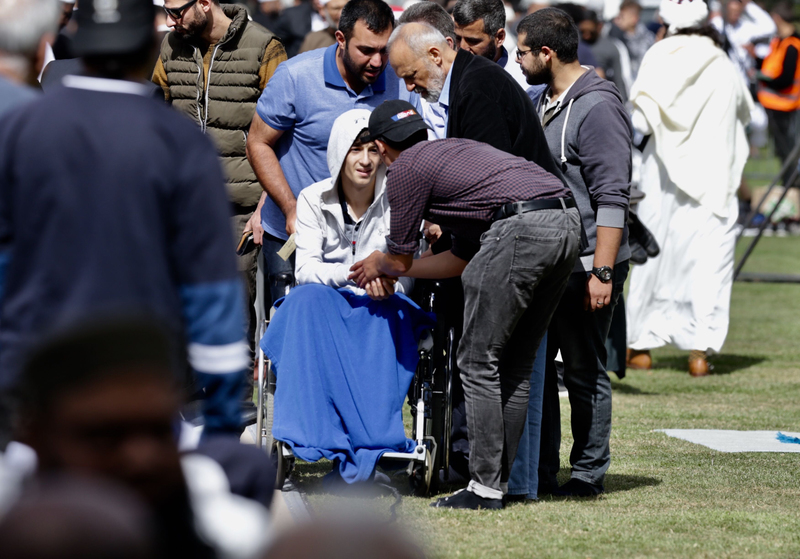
x=736, y=441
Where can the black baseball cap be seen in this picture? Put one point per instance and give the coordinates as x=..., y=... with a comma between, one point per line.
x=395, y=121
x=108, y=27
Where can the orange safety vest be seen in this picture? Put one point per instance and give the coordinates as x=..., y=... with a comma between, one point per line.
x=787, y=99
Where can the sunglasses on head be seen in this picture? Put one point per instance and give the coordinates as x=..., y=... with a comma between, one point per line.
x=177, y=13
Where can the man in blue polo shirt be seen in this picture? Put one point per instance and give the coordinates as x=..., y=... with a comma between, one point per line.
x=288, y=138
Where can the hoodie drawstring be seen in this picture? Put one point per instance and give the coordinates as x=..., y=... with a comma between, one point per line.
x=564, y=130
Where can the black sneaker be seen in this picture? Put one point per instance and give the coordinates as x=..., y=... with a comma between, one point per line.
x=465, y=499
x=578, y=488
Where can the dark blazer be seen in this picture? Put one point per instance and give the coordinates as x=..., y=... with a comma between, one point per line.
x=487, y=105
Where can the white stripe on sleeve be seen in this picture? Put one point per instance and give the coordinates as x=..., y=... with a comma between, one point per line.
x=219, y=359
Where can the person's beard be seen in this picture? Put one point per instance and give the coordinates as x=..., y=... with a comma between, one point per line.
x=435, y=84
x=491, y=51
x=538, y=76
x=358, y=70
x=195, y=28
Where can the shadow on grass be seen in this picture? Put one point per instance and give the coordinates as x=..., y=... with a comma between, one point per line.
x=724, y=364
x=619, y=482
x=622, y=388
x=614, y=483
x=307, y=476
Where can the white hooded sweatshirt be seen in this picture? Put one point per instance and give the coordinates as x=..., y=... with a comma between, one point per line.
x=324, y=250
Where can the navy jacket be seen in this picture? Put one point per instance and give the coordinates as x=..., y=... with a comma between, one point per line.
x=111, y=201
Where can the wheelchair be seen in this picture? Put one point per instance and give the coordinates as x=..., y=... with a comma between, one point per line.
x=430, y=395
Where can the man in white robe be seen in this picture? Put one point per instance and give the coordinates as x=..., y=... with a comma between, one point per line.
x=691, y=101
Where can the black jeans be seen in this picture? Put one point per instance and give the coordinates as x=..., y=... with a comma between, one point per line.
x=511, y=289
x=581, y=337
x=783, y=127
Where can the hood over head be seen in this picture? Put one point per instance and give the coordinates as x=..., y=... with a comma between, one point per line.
x=346, y=129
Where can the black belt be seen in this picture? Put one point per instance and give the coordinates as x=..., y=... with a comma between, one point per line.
x=515, y=208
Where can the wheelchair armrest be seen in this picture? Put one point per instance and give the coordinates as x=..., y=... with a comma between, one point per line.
x=284, y=280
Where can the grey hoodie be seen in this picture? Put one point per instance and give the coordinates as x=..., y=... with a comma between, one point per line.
x=590, y=138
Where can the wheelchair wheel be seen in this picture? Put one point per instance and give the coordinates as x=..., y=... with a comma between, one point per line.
x=447, y=404
x=266, y=402
x=442, y=409
x=284, y=463
x=423, y=474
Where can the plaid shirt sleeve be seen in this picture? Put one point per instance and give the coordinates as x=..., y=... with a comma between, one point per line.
x=408, y=195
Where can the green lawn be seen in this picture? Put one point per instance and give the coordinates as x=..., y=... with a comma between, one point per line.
x=664, y=497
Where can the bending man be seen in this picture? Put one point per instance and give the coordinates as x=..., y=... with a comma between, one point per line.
x=516, y=236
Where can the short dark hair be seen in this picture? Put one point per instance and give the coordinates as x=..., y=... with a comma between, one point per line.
x=412, y=140
x=576, y=12
x=590, y=15
x=704, y=30
x=492, y=12
x=631, y=5
x=552, y=28
x=120, y=66
x=362, y=138
x=376, y=15
x=784, y=10
x=432, y=14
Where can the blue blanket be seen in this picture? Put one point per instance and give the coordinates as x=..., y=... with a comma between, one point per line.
x=343, y=365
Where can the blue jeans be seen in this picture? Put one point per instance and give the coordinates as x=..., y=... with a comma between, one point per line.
x=524, y=478
x=275, y=265
x=581, y=337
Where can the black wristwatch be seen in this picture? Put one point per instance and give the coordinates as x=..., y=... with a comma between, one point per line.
x=604, y=273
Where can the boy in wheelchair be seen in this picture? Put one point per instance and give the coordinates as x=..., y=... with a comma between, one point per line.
x=344, y=357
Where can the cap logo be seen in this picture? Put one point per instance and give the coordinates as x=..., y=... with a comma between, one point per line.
x=105, y=11
x=404, y=114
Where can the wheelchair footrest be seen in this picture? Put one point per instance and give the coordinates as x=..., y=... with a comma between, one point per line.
x=418, y=455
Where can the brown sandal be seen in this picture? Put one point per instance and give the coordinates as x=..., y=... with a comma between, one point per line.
x=639, y=360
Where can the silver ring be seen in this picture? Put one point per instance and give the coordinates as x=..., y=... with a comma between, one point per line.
x=599, y=303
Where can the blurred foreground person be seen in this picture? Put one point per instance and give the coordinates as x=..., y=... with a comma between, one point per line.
x=111, y=201
x=25, y=28
x=76, y=518
x=344, y=540
x=693, y=105
x=108, y=411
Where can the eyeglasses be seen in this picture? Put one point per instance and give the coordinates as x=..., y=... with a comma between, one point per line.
x=521, y=53
x=177, y=13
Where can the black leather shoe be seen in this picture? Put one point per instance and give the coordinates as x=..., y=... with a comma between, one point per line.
x=578, y=488
x=467, y=500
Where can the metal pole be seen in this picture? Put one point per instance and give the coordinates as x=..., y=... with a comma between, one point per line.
x=767, y=220
x=792, y=159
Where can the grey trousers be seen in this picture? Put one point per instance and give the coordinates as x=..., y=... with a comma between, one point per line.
x=511, y=289
x=581, y=337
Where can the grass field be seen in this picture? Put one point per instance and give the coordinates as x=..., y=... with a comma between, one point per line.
x=664, y=497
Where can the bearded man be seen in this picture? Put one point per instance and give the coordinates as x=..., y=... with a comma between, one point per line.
x=213, y=67
x=288, y=139
x=480, y=100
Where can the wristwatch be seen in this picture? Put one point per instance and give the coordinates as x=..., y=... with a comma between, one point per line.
x=603, y=273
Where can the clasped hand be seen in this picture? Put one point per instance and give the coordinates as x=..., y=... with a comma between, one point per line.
x=367, y=275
